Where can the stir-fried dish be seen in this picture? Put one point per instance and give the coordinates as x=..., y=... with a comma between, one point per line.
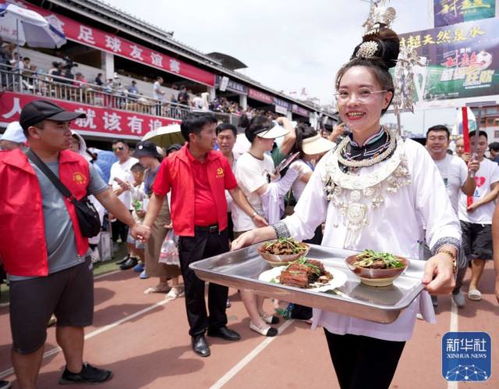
x=377, y=260
x=284, y=246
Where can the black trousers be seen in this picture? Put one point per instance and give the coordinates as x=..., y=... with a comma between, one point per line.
x=362, y=362
x=191, y=249
x=119, y=230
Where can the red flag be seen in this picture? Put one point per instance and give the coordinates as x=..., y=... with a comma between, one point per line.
x=466, y=141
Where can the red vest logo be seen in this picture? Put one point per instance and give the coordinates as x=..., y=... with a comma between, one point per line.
x=79, y=178
x=220, y=172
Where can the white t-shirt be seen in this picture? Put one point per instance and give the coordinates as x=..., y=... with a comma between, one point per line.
x=484, y=177
x=122, y=171
x=454, y=173
x=251, y=174
x=299, y=185
x=156, y=91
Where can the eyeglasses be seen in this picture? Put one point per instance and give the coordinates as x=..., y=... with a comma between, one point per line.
x=362, y=95
x=119, y=148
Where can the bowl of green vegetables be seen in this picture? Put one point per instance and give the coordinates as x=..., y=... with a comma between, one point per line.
x=376, y=268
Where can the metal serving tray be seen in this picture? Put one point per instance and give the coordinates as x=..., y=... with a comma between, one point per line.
x=240, y=269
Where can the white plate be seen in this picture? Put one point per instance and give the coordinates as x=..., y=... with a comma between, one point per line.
x=339, y=278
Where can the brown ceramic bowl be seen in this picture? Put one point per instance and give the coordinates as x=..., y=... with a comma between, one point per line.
x=280, y=260
x=376, y=277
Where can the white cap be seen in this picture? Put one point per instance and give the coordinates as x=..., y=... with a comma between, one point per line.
x=14, y=133
x=275, y=132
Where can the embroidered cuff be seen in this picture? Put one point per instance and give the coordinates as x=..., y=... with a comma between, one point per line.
x=281, y=230
x=460, y=257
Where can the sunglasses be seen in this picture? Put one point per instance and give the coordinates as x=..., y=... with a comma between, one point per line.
x=119, y=148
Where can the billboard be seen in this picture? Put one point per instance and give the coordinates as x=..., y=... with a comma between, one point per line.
x=447, y=12
x=462, y=60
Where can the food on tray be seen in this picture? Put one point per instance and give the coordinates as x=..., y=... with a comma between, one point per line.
x=371, y=259
x=284, y=246
x=305, y=273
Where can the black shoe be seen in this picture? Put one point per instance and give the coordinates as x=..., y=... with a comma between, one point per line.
x=224, y=333
x=200, y=346
x=88, y=374
x=5, y=384
x=123, y=260
x=130, y=262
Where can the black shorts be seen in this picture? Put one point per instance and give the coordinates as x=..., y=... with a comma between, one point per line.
x=477, y=240
x=69, y=294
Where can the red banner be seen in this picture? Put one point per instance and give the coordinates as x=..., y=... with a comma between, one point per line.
x=111, y=122
x=90, y=36
x=260, y=96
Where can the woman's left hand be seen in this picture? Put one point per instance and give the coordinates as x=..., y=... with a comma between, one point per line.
x=439, y=274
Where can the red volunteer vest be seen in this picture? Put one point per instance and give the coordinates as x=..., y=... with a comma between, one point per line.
x=23, y=249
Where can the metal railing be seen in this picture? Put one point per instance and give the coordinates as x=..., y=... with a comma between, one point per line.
x=56, y=87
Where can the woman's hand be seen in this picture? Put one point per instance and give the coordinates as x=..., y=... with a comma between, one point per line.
x=438, y=275
x=246, y=239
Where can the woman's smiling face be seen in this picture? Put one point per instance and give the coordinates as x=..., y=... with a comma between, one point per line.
x=361, y=99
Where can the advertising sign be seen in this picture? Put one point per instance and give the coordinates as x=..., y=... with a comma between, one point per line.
x=447, y=12
x=260, y=96
x=101, y=120
x=462, y=60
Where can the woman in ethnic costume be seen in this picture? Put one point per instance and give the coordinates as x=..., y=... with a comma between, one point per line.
x=374, y=190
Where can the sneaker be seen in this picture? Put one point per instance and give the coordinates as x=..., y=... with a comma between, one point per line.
x=143, y=275
x=419, y=316
x=176, y=291
x=5, y=384
x=138, y=268
x=434, y=301
x=88, y=374
x=459, y=299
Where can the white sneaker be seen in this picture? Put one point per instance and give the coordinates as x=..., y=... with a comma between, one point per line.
x=176, y=291
x=459, y=299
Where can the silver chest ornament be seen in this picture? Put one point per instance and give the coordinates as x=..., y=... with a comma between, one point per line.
x=355, y=195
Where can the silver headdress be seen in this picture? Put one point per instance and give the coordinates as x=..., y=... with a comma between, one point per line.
x=379, y=15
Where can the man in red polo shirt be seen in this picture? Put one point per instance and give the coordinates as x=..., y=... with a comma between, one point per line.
x=198, y=177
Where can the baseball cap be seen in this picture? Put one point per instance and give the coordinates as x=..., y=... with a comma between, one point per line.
x=38, y=110
x=14, y=133
x=146, y=149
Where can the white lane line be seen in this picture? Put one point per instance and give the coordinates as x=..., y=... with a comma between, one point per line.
x=106, y=274
x=248, y=358
x=453, y=328
x=98, y=331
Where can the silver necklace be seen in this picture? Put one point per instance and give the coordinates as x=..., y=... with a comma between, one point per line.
x=365, y=162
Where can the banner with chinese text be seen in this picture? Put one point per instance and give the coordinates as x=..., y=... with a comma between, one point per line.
x=102, y=121
x=90, y=36
x=447, y=12
x=462, y=60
